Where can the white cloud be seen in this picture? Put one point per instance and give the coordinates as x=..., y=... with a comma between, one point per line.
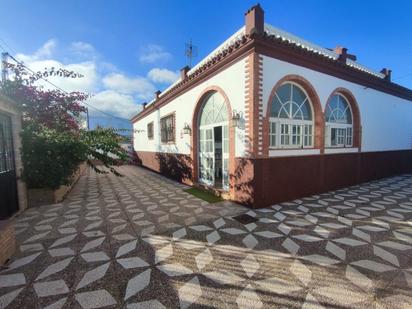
x=163, y=76
x=43, y=59
x=47, y=49
x=83, y=49
x=112, y=102
x=43, y=52
x=87, y=83
x=114, y=92
x=153, y=53
x=123, y=84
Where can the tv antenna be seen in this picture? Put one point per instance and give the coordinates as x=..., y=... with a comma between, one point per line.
x=190, y=52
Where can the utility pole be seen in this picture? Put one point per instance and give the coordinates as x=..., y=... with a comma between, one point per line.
x=4, y=73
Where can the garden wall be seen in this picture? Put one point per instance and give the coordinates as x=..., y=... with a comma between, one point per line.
x=7, y=240
x=38, y=197
x=280, y=179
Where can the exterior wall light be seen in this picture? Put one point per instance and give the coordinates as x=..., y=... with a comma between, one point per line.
x=187, y=129
x=236, y=118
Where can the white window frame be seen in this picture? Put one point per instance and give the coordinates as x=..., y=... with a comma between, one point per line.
x=348, y=139
x=278, y=136
x=348, y=127
x=276, y=123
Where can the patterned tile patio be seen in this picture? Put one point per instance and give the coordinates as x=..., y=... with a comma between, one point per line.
x=141, y=242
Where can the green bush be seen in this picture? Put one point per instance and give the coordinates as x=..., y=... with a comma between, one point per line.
x=50, y=158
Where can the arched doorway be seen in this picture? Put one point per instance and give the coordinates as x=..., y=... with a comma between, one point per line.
x=213, y=141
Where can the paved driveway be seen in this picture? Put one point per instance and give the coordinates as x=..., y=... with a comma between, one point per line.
x=141, y=242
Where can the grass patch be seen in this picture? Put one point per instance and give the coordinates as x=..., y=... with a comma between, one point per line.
x=204, y=195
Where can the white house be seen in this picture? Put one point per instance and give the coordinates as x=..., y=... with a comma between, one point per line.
x=267, y=117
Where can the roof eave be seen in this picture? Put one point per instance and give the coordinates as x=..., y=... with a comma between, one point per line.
x=282, y=50
x=263, y=43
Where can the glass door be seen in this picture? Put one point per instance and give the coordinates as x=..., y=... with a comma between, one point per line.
x=225, y=157
x=206, y=156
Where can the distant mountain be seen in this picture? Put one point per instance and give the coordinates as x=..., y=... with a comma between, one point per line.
x=124, y=126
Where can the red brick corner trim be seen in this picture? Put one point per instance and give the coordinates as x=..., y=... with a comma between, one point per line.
x=194, y=139
x=316, y=105
x=253, y=105
x=356, y=118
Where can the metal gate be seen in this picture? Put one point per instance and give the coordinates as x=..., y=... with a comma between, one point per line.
x=8, y=184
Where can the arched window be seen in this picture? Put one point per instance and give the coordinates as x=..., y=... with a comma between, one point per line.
x=291, y=118
x=214, y=110
x=338, y=118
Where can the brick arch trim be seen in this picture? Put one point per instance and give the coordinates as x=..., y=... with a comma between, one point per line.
x=319, y=122
x=356, y=117
x=194, y=139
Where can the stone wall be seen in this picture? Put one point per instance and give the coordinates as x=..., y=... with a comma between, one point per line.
x=39, y=197
x=7, y=240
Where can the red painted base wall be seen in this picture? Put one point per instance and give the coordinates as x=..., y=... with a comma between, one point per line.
x=175, y=166
x=287, y=178
x=266, y=181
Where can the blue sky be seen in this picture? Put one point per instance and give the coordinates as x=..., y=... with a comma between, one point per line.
x=128, y=49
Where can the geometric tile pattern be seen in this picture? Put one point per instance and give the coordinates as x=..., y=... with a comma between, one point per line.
x=139, y=241
x=84, y=252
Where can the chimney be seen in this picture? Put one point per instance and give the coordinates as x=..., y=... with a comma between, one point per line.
x=157, y=94
x=254, y=20
x=343, y=54
x=387, y=74
x=144, y=105
x=183, y=72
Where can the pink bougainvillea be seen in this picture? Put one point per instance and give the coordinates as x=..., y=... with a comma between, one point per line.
x=53, y=143
x=54, y=108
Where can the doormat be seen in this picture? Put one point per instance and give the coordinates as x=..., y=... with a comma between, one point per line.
x=245, y=219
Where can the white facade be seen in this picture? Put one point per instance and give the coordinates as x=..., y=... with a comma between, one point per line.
x=231, y=81
x=386, y=120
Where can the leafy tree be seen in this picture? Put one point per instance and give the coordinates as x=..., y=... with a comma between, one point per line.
x=53, y=144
